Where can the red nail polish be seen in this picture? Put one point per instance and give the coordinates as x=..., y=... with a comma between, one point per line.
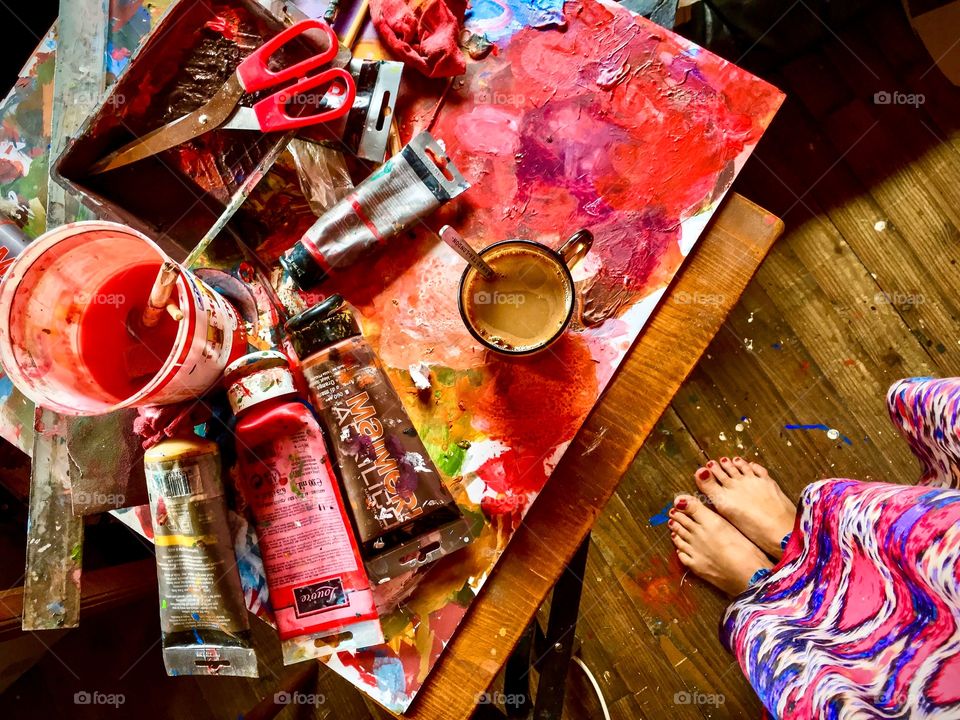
x=711, y=463
x=723, y=459
x=703, y=474
x=681, y=504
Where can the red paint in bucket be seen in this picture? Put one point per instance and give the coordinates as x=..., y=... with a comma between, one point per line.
x=121, y=363
x=64, y=310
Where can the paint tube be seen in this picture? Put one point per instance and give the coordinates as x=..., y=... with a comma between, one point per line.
x=403, y=514
x=203, y=617
x=318, y=586
x=409, y=186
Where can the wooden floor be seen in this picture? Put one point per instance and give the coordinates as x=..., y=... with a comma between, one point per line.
x=861, y=291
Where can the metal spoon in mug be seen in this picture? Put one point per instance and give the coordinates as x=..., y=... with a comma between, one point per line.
x=452, y=238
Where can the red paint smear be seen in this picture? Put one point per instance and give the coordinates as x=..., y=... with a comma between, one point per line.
x=227, y=23
x=550, y=145
x=146, y=522
x=534, y=404
x=658, y=586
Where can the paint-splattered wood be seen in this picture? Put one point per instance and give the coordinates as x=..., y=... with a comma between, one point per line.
x=656, y=596
x=728, y=255
x=55, y=536
x=103, y=590
x=911, y=173
x=51, y=588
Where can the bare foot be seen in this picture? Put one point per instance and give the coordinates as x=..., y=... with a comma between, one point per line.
x=745, y=494
x=713, y=548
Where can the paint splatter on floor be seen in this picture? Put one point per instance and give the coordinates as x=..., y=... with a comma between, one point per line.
x=832, y=433
x=661, y=517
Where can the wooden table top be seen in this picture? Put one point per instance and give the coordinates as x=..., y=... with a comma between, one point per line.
x=703, y=293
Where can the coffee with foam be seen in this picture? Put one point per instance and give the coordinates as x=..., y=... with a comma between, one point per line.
x=526, y=305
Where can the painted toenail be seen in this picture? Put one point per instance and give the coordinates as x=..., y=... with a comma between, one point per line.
x=681, y=504
x=703, y=474
x=738, y=459
x=711, y=463
x=723, y=459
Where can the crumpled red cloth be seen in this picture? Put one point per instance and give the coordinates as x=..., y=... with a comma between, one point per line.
x=423, y=33
x=157, y=423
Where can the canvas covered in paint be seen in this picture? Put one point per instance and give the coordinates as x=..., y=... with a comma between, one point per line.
x=584, y=116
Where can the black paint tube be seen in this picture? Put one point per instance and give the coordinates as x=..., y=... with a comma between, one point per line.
x=409, y=186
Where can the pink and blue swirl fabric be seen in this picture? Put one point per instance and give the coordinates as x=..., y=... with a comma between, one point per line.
x=861, y=617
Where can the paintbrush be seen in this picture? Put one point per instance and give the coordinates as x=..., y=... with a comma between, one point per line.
x=356, y=25
x=455, y=240
x=160, y=295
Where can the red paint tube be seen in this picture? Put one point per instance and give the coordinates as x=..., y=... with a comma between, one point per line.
x=317, y=582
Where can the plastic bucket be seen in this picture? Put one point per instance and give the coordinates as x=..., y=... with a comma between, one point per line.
x=63, y=306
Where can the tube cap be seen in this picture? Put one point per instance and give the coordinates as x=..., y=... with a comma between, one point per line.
x=256, y=378
x=302, y=267
x=323, y=325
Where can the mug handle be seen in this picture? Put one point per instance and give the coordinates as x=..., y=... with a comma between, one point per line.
x=576, y=247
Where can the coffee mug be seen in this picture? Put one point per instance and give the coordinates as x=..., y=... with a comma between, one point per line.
x=529, y=301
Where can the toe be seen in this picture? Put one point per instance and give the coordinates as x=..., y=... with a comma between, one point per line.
x=692, y=510
x=742, y=465
x=685, y=558
x=719, y=474
x=677, y=529
x=683, y=545
x=680, y=517
x=729, y=467
x=759, y=470
x=706, y=481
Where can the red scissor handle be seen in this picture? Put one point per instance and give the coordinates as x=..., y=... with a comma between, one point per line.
x=272, y=111
x=253, y=71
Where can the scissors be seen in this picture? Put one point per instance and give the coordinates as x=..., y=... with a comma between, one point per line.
x=268, y=115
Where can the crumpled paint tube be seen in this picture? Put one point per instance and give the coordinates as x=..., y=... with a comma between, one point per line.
x=203, y=617
x=409, y=186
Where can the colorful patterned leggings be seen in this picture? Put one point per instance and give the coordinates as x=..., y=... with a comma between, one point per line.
x=861, y=617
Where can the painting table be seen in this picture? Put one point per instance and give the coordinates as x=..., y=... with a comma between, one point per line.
x=640, y=142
